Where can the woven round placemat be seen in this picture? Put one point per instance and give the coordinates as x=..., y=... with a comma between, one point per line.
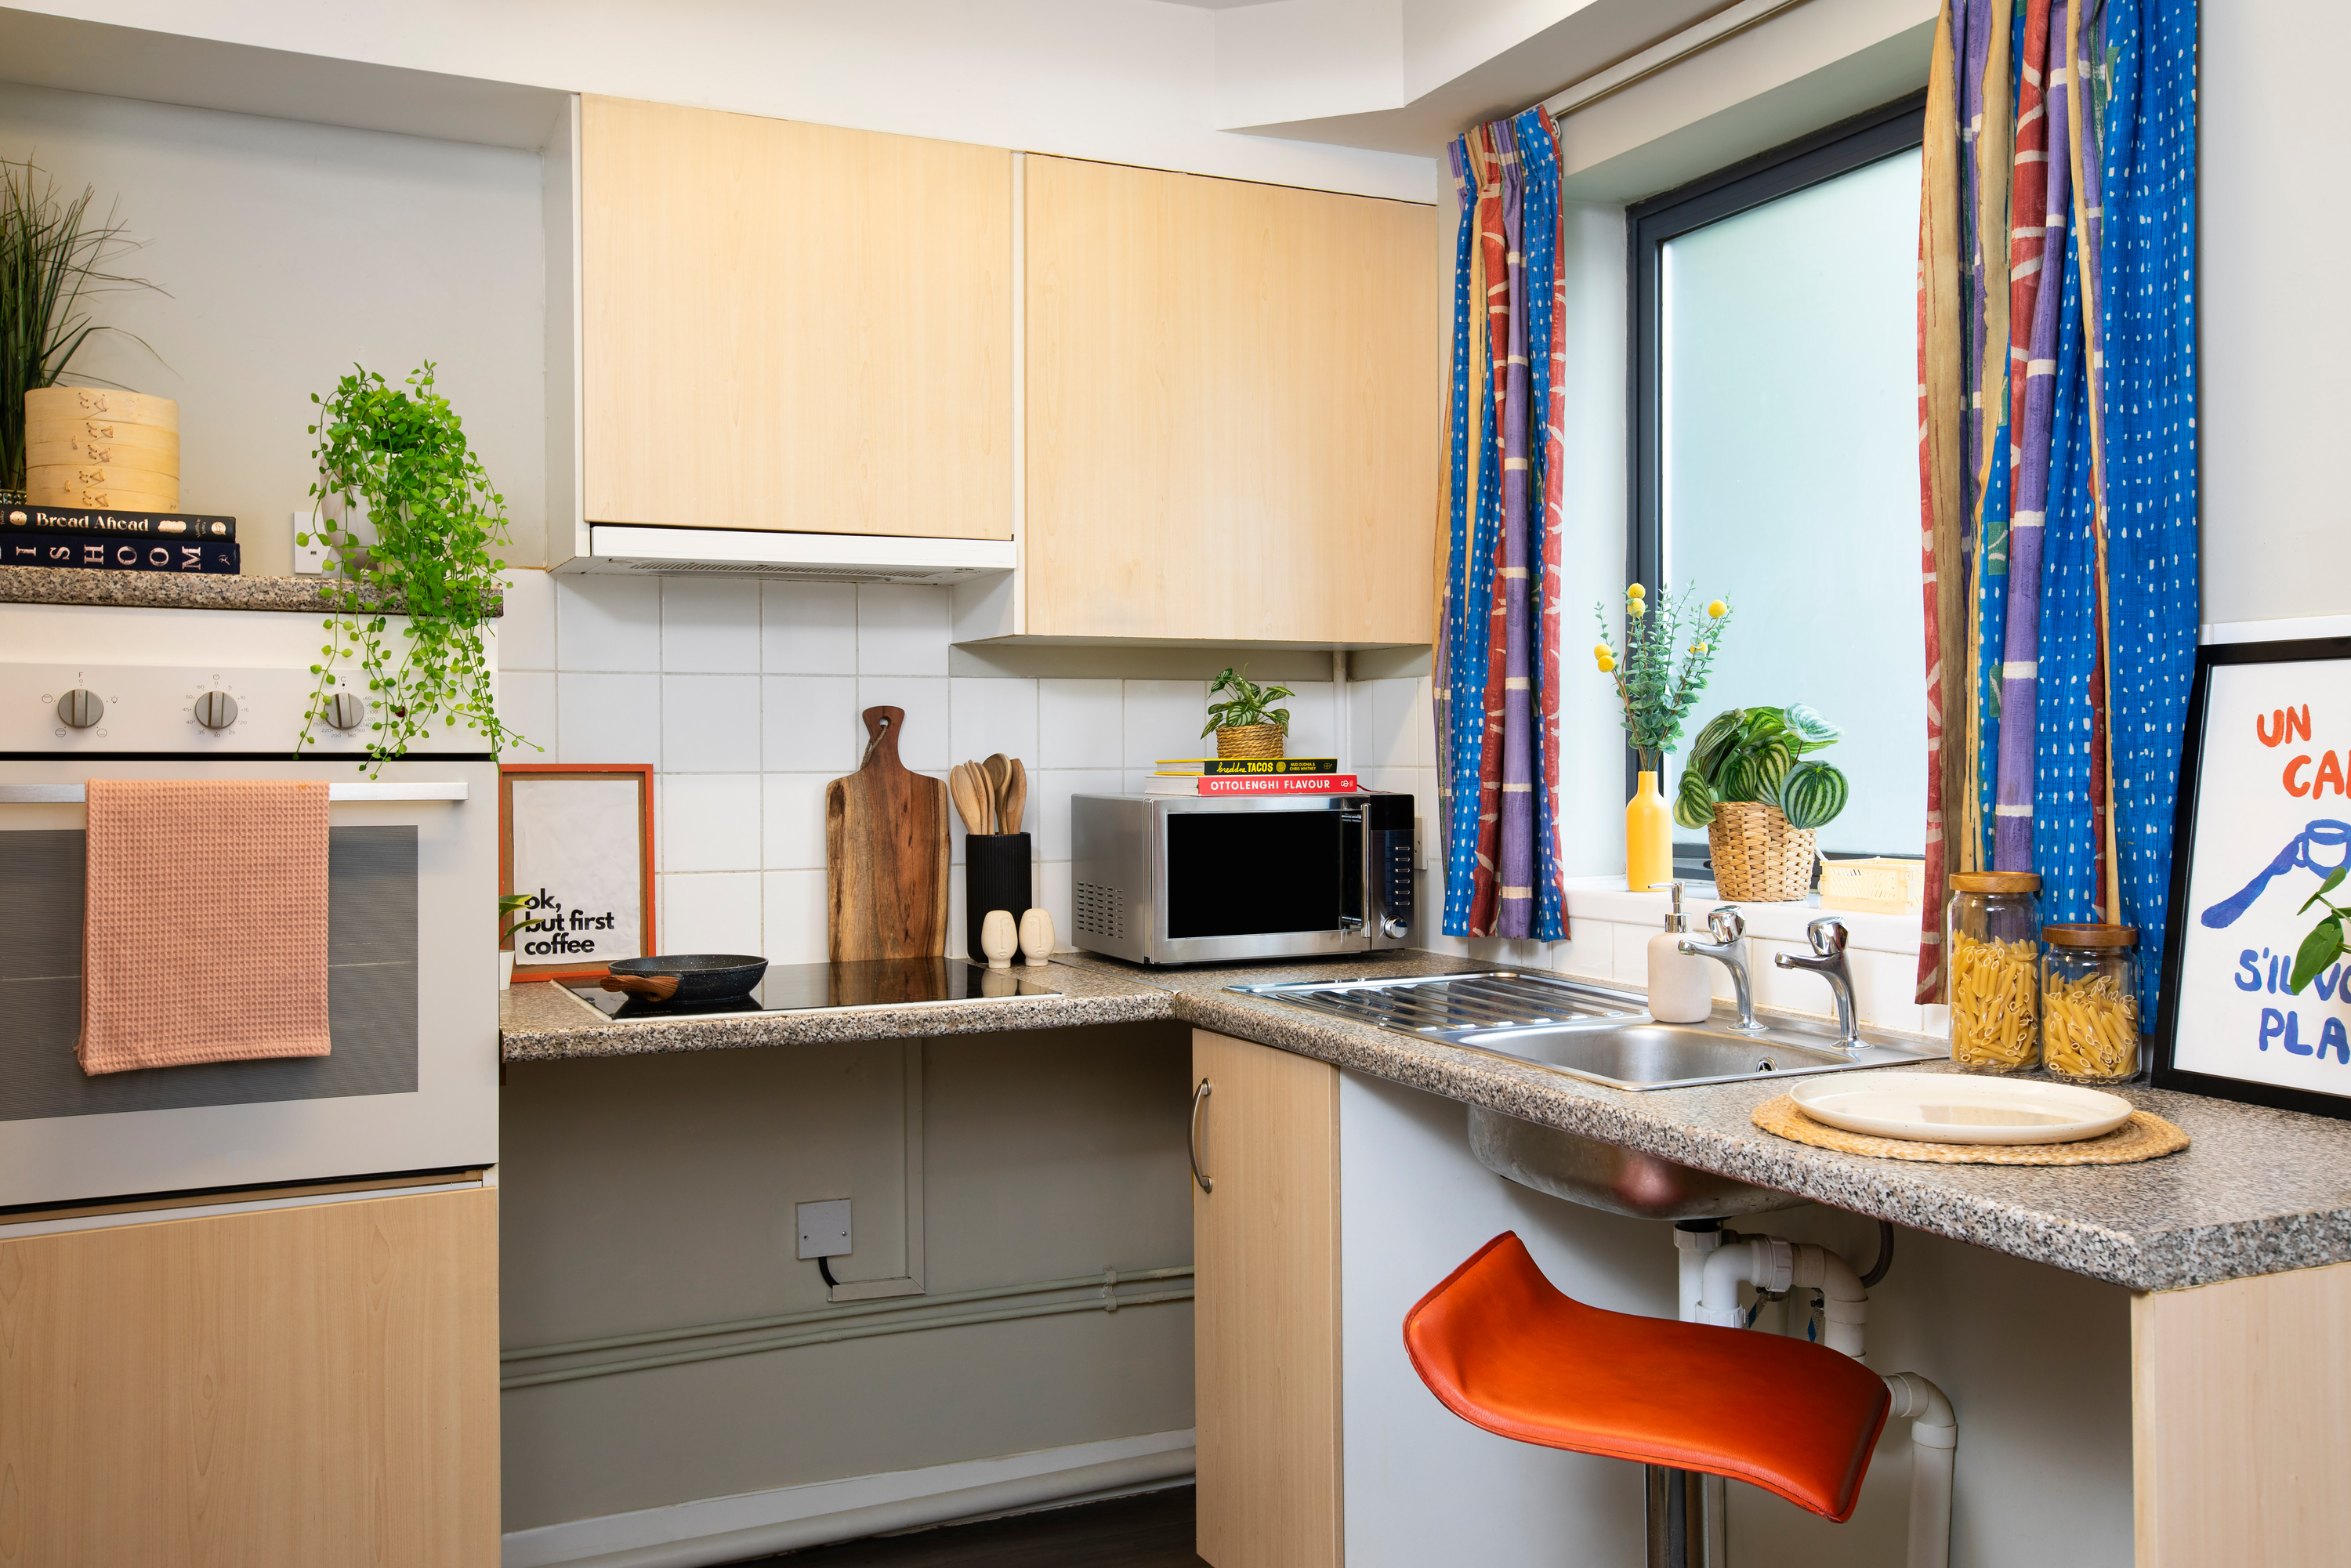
x=2145, y=1137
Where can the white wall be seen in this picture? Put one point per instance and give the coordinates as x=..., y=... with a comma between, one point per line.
x=284, y=253
x=2275, y=325
x=1132, y=81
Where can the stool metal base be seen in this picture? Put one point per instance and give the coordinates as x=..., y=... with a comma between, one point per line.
x=1686, y=1522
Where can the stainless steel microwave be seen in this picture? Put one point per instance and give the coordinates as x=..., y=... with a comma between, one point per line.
x=1160, y=879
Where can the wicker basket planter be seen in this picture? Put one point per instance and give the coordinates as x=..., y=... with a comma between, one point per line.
x=1251, y=740
x=1758, y=858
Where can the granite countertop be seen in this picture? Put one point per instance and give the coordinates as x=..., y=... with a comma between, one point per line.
x=171, y=590
x=2258, y=1192
x=544, y=1022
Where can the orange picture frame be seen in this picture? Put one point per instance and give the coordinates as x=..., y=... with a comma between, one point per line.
x=641, y=773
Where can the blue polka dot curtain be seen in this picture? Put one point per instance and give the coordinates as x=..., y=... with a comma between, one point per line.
x=2057, y=451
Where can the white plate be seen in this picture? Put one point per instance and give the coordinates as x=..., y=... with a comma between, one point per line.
x=1959, y=1108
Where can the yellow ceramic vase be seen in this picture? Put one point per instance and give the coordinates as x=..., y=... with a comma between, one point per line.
x=1648, y=837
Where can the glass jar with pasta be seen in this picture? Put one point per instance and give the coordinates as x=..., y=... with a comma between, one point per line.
x=1992, y=940
x=2089, y=1003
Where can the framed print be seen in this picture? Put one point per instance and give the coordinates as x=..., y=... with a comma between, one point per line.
x=577, y=839
x=2265, y=815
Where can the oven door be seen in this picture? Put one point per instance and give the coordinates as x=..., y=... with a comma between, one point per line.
x=1274, y=878
x=411, y=1082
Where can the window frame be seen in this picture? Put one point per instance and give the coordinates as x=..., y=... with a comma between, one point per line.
x=1870, y=137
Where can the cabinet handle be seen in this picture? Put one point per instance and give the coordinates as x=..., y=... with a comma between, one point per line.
x=1191, y=1137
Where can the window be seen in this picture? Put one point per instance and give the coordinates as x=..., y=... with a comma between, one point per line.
x=1775, y=446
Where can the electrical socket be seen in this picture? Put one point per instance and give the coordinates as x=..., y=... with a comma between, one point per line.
x=824, y=1228
x=309, y=560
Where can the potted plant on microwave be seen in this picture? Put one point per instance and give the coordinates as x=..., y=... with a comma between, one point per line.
x=400, y=455
x=1247, y=724
x=1752, y=785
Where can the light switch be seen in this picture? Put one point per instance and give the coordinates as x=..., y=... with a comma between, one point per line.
x=824, y=1228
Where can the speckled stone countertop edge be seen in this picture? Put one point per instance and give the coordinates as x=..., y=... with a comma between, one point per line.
x=173, y=590
x=2104, y=1222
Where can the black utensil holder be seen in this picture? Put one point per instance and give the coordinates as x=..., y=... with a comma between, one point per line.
x=994, y=876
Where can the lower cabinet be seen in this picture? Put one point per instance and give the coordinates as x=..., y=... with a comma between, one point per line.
x=1265, y=1239
x=291, y=1389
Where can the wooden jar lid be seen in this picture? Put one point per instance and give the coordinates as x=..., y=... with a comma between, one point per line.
x=1995, y=882
x=101, y=403
x=2090, y=936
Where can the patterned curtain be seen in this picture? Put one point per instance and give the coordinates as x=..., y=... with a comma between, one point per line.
x=1497, y=657
x=2057, y=451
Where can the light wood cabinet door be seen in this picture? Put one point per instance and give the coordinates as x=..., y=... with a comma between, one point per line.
x=295, y=1388
x=1265, y=1260
x=1234, y=420
x=793, y=327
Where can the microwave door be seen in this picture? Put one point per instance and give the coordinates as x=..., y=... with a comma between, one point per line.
x=1252, y=884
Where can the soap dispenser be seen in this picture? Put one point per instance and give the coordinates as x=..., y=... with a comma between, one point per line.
x=1681, y=988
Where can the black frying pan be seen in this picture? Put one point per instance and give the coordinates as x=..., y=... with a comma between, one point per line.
x=687, y=978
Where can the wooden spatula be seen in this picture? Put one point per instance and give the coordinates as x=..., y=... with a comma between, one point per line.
x=965, y=786
x=1016, y=797
x=999, y=771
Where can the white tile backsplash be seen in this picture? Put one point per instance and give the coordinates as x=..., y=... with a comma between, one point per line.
x=792, y=910
x=526, y=704
x=1079, y=724
x=988, y=715
x=608, y=623
x=808, y=627
x=604, y=718
x=710, y=625
x=902, y=628
x=1049, y=803
x=710, y=724
x=1313, y=721
x=808, y=724
x=791, y=820
x=716, y=912
x=709, y=822
x=1162, y=719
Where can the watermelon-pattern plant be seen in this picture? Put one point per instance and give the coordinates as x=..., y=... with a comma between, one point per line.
x=1760, y=754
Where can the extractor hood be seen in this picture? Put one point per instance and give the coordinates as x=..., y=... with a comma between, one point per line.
x=622, y=549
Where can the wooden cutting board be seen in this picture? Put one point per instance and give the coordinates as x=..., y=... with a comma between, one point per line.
x=886, y=853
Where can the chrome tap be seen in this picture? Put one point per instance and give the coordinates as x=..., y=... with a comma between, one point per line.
x=1827, y=935
x=1729, y=929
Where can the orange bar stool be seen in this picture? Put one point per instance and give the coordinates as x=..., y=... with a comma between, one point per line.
x=1503, y=1349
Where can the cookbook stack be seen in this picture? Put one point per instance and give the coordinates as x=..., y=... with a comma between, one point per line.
x=35, y=534
x=1249, y=776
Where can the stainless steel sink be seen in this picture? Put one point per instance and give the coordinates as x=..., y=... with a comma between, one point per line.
x=1597, y=1033
x=1607, y=1176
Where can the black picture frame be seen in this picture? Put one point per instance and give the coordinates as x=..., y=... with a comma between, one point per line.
x=2164, y=1074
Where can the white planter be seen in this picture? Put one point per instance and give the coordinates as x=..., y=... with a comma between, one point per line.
x=506, y=968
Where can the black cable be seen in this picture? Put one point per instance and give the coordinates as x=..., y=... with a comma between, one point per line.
x=1884, y=1256
x=824, y=1267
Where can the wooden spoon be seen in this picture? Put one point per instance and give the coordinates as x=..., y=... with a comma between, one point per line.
x=999, y=774
x=965, y=789
x=1015, y=798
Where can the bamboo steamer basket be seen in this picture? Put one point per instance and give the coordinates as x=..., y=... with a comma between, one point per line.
x=1249, y=740
x=116, y=434
x=1758, y=857
x=102, y=403
x=94, y=447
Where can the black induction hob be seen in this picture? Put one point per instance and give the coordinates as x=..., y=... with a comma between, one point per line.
x=804, y=987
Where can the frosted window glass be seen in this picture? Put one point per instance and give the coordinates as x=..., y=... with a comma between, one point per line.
x=1791, y=456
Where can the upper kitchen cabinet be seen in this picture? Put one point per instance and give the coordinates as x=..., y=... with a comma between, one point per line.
x=793, y=327
x=1234, y=398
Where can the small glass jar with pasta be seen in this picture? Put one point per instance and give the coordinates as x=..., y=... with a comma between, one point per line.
x=2089, y=1003
x=1991, y=942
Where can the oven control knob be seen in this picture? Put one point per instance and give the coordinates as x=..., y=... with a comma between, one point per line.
x=215, y=710
x=80, y=708
x=345, y=711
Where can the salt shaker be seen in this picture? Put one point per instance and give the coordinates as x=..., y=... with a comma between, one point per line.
x=1037, y=939
x=999, y=938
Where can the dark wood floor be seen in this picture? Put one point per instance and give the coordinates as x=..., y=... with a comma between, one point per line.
x=1153, y=1530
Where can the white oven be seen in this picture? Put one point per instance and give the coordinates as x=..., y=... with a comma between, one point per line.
x=411, y=1083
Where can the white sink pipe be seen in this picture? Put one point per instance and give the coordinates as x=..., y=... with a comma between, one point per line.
x=1715, y=1263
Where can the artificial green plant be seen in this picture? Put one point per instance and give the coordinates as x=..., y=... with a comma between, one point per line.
x=1656, y=691
x=403, y=455
x=1245, y=703
x=1760, y=754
